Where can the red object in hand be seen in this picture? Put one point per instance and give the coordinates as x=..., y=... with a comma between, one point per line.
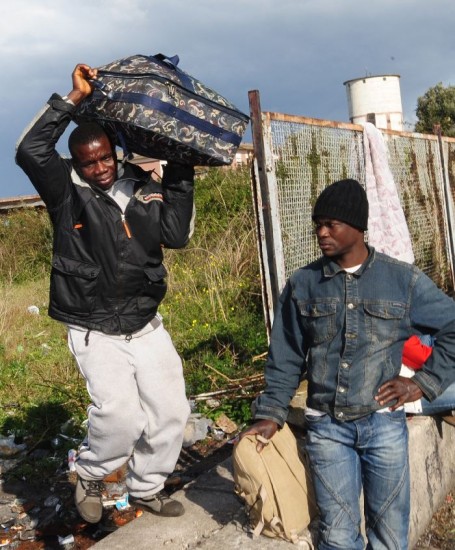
x=415, y=353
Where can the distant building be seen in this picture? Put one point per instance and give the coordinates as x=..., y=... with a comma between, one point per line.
x=242, y=157
x=376, y=99
x=147, y=164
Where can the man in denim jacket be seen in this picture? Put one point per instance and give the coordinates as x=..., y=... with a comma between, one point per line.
x=342, y=322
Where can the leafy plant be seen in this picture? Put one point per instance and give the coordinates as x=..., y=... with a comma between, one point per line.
x=437, y=106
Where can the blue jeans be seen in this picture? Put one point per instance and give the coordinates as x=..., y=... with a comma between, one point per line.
x=371, y=452
x=444, y=403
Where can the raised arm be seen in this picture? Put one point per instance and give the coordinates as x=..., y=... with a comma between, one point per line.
x=178, y=188
x=35, y=151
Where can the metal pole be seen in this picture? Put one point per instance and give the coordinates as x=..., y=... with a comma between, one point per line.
x=263, y=202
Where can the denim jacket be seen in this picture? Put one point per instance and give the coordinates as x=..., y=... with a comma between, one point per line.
x=345, y=333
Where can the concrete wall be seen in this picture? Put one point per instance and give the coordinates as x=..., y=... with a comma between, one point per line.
x=431, y=457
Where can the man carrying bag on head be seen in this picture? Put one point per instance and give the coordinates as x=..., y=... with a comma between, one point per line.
x=110, y=223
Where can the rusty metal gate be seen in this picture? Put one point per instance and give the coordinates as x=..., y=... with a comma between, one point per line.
x=296, y=157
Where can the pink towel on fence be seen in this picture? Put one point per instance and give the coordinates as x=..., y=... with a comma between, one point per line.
x=387, y=228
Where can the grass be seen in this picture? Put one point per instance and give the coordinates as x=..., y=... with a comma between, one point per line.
x=25, y=246
x=39, y=385
x=213, y=312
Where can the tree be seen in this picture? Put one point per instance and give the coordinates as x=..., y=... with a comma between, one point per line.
x=437, y=106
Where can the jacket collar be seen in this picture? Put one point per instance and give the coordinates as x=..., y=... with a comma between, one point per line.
x=331, y=268
x=125, y=170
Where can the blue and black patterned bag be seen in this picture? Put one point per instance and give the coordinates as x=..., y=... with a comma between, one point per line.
x=153, y=108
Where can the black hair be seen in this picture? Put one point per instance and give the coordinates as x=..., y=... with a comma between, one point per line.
x=85, y=133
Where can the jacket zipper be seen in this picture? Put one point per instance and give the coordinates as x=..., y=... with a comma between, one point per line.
x=126, y=226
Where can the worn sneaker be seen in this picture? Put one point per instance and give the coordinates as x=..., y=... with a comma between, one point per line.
x=88, y=499
x=160, y=504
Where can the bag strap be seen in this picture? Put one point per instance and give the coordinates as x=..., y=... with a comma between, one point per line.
x=171, y=63
x=261, y=524
x=100, y=86
x=175, y=112
x=262, y=439
x=285, y=444
x=127, y=155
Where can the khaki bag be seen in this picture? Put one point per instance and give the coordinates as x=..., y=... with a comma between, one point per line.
x=275, y=486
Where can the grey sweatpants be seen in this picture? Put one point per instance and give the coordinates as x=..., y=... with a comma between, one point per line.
x=139, y=408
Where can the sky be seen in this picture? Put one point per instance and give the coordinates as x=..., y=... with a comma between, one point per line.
x=297, y=53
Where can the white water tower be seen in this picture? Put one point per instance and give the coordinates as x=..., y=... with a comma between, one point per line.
x=376, y=99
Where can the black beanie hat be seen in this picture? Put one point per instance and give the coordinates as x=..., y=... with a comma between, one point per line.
x=344, y=200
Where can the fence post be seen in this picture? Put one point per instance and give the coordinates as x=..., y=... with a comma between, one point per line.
x=271, y=248
x=448, y=202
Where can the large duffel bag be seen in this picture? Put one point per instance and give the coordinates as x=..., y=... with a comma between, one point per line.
x=153, y=108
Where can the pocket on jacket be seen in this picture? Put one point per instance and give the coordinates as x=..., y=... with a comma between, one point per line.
x=319, y=320
x=73, y=285
x=383, y=319
x=153, y=289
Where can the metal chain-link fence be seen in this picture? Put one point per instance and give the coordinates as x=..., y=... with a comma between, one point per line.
x=299, y=157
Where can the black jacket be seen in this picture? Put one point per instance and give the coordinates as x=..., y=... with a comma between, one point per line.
x=107, y=272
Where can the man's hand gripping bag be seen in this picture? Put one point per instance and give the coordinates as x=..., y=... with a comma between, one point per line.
x=151, y=107
x=275, y=486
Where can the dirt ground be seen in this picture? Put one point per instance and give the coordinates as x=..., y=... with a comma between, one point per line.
x=440, y=534
x=44, y=517
x=37, y=512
